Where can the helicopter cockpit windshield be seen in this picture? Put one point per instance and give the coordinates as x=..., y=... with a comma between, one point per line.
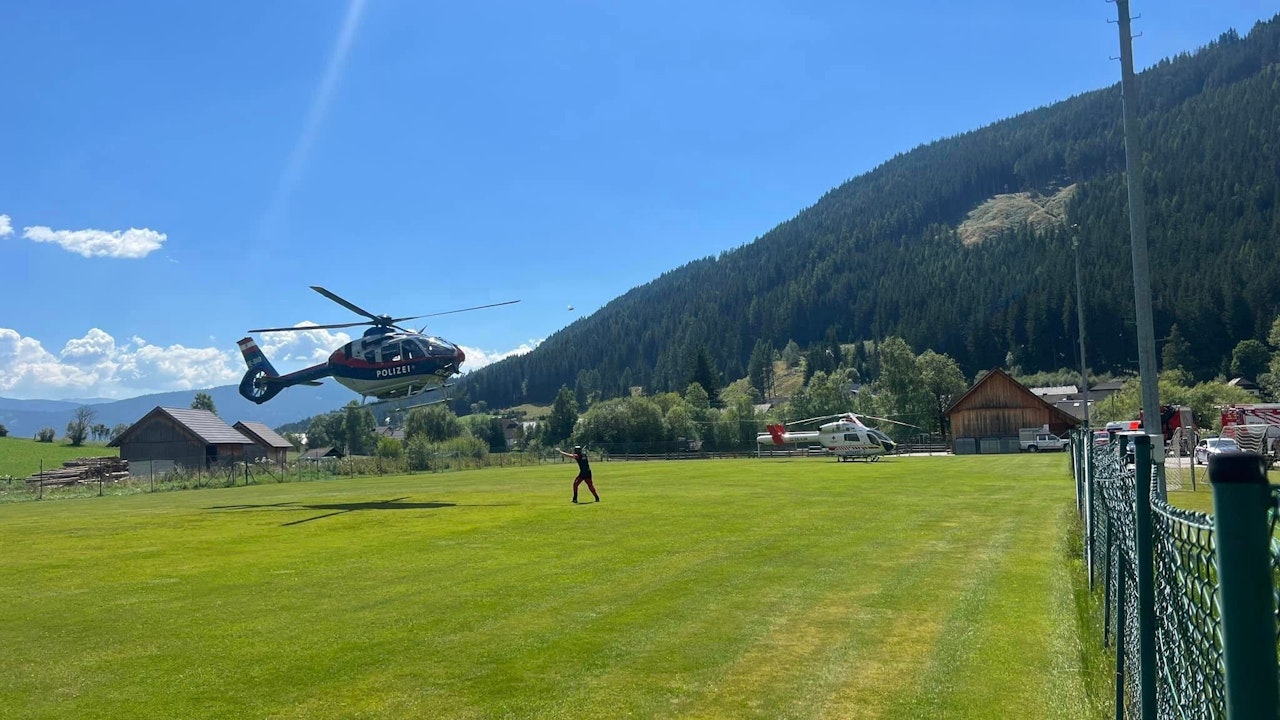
x=438, y=347
x=878, y=436
x=390, y=348
x=415, y=348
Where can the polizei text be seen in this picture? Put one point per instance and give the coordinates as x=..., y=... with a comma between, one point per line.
x=391, y=372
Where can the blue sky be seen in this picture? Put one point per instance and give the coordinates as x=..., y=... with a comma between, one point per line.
x=173, y=174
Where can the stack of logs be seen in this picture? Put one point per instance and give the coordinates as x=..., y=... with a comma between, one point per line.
x=82, y=471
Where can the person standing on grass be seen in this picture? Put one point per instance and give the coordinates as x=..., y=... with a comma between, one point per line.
x=584, y=471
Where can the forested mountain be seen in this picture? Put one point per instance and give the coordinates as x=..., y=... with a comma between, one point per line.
x=880, y=255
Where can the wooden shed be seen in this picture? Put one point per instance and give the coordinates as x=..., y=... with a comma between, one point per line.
x=268, y=445
x=997, y=407
x=322, y=453
x=187, y=437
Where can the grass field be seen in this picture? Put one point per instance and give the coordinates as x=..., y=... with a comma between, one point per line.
x=929, y=587
x=20, y=457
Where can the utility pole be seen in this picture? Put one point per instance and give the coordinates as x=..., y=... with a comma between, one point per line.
x=1138, y=245
x=1084, y=372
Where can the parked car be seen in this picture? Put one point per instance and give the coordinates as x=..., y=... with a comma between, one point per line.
x=1213, y=446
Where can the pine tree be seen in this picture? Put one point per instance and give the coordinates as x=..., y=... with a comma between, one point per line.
x=1176, y=354
x=204, y=401
x=705, y=374
x=563, y=416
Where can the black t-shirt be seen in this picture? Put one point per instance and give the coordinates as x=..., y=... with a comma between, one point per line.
x=584, y=467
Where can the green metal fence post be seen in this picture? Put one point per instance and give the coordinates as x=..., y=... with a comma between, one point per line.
x=1120, y=639
x=1077, y=459
x=1090, y=521
x=1241, y=498
x=1144, y=564
x=1106, y=589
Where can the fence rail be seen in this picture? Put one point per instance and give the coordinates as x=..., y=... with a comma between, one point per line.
x=1189, y=598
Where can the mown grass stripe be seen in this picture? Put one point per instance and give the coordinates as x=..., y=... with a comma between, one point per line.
x=712, y=589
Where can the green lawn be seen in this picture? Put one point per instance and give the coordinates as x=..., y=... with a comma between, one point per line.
x=916, y=587
x=20, y=457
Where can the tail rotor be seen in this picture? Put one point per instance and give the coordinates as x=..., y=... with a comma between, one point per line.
x=256, y=385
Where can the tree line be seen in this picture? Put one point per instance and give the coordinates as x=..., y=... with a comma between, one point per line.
x=880, y=257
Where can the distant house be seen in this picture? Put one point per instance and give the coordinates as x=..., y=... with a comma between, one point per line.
x=386, y=431
x=1055, y=390
x=988, y=417
x=186, y=437
x=1105, y=389
x=1070, y=398
x=268, y=445
x=1247, y=385
x=322, y=453
x=1066, y=398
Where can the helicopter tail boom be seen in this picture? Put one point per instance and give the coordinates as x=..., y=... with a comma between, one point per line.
x=256, y=385
x=778, y=435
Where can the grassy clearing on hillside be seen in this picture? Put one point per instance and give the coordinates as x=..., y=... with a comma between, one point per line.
x=909, y=588
x=533, y=412
x=20, y=457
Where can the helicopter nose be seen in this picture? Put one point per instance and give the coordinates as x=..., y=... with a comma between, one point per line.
x=459, y=357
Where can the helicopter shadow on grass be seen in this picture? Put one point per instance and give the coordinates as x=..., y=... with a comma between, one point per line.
x=343, y=508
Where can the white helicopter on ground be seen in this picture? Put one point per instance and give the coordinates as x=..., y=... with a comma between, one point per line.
x=846, y=436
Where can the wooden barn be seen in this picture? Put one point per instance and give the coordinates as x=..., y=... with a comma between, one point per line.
x=268, y=445
x=195, y=439
x=992, y=412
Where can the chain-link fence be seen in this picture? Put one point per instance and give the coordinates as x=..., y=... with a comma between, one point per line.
x=167, y=476
x=1167, y=608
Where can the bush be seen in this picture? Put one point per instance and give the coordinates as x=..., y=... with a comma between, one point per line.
x=45, y=434
x=4, y=431
x=389, y=448
x=456, y=453
x=418, y=453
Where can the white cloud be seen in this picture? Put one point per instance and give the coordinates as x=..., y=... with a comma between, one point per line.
x=302, y=346
x=96, y=365
x=477, y=358
x=96, y=346
x=6, y=227
x=131, y=243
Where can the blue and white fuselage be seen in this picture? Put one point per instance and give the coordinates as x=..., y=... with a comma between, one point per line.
x=383, y=364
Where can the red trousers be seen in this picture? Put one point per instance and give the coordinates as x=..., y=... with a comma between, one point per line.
x=590, y=486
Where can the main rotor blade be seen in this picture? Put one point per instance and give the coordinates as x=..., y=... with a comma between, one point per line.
x=344, y=303
x=310, y=327
x=478, y=307
x=815, y=419
x=895, y=422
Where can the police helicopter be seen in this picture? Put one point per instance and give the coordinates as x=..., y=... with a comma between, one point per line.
x=846, y=436
x=387, y=363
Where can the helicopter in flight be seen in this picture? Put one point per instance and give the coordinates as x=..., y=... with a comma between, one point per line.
x=846, y=436
x=387, y=363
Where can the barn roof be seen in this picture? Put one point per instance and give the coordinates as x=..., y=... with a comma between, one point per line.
x=1055, y=390
x=318, y=453
x=201, y=424
x=263, y=434
x=207, y=426
x=1032, y=399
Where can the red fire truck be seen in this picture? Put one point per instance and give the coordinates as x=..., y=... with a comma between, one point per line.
x=1257, y=421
